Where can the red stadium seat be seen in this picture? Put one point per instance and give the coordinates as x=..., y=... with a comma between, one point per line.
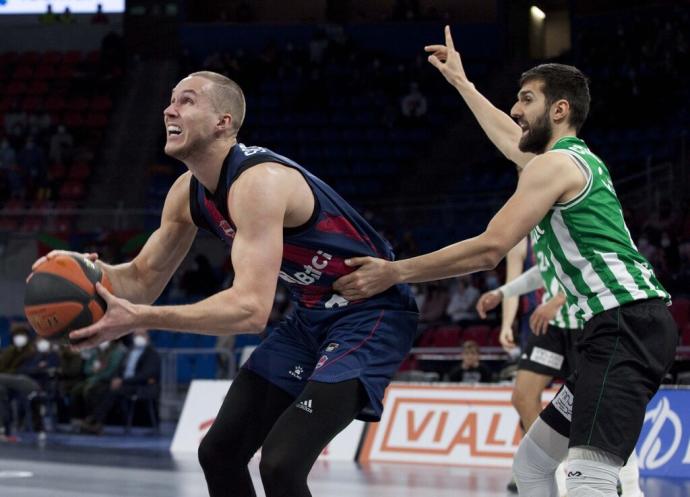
x=16, y=87
x=37, y=88
x=409, y=363
x=493, y=337
x=80, y=171
x=447, y=336
x=32, y=104
x=32, y=224
x=45, y=72
x=54, y=103
x=101, y=103
x=478, y=333
x=23, y=72
x=52, y=58
x=685, y=335
x=9, y=224
x=77, y=103
x=72, y=190
x=96, y=120
x=73, y=120
x=72, y=57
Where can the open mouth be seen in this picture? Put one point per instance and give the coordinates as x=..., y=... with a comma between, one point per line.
x=174, y=130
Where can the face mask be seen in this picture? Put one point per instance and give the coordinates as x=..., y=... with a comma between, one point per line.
x=20, y=341
x=140, y=341
x=43, y=346
x=103, y=345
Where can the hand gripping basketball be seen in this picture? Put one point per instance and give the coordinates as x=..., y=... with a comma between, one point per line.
x=61, y=294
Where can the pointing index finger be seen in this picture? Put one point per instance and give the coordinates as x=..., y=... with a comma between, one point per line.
x=449, y=39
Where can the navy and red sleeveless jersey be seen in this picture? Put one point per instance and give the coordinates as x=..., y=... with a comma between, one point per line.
x=313, y=254
x=530, y=301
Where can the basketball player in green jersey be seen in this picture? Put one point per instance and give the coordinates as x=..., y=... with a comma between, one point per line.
x=566, y=199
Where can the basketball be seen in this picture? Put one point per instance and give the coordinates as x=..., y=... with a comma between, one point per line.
x=61, y=296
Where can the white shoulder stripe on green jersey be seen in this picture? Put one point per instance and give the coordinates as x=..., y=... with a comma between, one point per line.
x=623, y=277
x=573, y=255
x=568, y=284
x=586, y=171
x=647, y=277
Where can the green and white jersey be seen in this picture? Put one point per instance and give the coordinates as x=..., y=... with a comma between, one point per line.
x=589, y=245
x=566, y=317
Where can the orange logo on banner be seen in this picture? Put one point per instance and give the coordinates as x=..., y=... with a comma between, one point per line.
x=435, y=419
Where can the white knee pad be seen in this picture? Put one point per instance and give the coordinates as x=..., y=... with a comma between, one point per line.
x=592, y=472
x=536, y=461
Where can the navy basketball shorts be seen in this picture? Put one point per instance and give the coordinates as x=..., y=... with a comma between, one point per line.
x=622, y=357
x=331, y=346
x=552, y=353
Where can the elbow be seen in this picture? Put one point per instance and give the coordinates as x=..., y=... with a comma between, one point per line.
x=492, y=256
x=255, y=318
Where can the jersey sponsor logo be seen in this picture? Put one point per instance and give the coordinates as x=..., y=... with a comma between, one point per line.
x=312, y=272
x=305, y=405
x=546, y=358
x=297, y=372
x=663, y=438
x=332, y=346
x=322, y=361
x=563, y=402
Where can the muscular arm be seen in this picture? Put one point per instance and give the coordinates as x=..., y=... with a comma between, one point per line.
x=549, y=178
x=258, y=203
x=143, y=279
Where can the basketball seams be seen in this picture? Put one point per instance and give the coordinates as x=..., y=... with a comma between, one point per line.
x=38, y=291
x=70, y=269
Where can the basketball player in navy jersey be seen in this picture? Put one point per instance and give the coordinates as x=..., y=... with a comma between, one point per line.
x=329, y=361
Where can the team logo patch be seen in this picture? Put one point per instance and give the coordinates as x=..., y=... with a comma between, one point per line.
x=322, y=361
x=546, y=358
x=563, y=402
x=297, y=372
x=332, y=346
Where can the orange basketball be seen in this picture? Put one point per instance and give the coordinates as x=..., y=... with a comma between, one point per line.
x=61, y=296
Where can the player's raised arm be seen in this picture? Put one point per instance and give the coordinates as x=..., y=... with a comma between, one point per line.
x=546, y=179
x=501, y=129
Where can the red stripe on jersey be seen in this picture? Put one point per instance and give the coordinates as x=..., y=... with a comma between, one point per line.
x=342, y=226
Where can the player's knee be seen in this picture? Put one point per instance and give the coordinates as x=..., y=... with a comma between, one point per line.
x=522, y=400
x=276, y=469
x=532, y=464
x=591, y=473
x=217, y=455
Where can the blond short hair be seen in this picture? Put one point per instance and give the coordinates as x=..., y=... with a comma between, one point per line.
x=226, y=96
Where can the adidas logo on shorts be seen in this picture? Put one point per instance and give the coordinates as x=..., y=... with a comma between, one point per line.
x=305, y=405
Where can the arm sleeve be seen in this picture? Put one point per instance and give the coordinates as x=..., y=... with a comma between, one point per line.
x=527, y=282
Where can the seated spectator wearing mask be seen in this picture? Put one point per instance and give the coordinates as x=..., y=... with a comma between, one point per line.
x=471, y=370
x=139, y=374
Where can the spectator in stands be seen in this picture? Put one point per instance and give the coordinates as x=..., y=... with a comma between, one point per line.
x=8, y=157
x=99, y=17
x=16, y=122
x=413, y=106
x=67, y=17
x=434, y=308
x=138, y=374
x=48, y=17
x=463, y=296
x=16, y=362
x=470, y=370
x=100, y=366
x=61, y=145
x=32, y=160
x=70, y=373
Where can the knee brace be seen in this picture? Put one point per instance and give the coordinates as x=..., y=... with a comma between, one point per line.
x=592, y=472
x=536, y=460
